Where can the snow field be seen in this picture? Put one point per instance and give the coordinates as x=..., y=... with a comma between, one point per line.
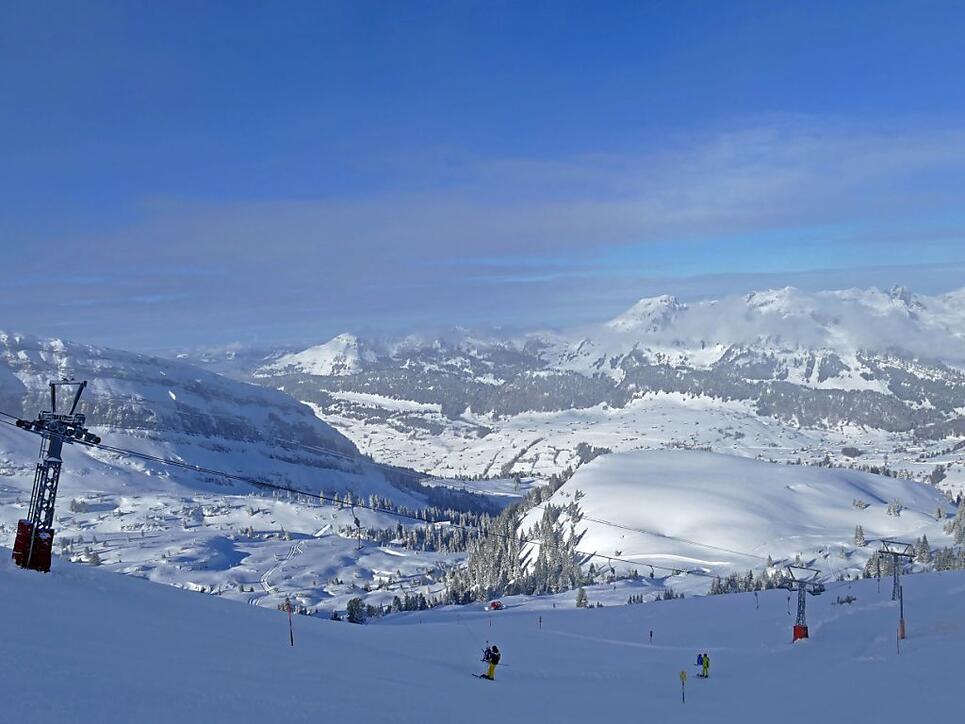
x=653, y=421
x=82, y=645
x=719, y=513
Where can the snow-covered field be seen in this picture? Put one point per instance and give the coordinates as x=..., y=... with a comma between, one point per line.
x=712, y=513
x=541, y=443
x=82, y=645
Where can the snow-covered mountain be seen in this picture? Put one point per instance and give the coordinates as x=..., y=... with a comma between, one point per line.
x=205, y=531
x=154, y=396
x=784, y=368
x=342, y=355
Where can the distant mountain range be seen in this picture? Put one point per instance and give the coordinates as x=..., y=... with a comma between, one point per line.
x=778, y=369
x=884, y=360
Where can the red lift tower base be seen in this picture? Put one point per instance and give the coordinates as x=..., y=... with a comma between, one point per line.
x=32, y=551
x=805, y=581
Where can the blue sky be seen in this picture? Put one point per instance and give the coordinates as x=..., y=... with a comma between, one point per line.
x=179, y=174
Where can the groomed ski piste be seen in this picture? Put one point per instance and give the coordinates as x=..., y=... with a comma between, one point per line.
x=84, y=645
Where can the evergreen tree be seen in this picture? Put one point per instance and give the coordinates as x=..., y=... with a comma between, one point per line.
x=956, y=527
x=581, y=599
x=859, y=539
x=356, y=611
x=923, y=550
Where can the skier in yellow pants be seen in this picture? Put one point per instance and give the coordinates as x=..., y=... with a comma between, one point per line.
x=491, y=656
x=705, y=672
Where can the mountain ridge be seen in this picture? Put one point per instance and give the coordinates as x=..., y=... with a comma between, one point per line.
x=828, y=362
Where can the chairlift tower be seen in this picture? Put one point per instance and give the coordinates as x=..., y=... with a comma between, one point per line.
x=804, y=580
x=897, y=550
x=35, y=533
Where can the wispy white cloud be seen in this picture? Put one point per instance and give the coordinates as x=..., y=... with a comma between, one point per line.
x=789, y=173
x=533, y=232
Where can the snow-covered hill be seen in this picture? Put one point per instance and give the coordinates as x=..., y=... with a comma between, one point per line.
x=149, y=395
x=203, y=530
x=783, y=373
x=83, y=646
x=718, y=514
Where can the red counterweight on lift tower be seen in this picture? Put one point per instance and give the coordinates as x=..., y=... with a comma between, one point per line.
x=804, y=584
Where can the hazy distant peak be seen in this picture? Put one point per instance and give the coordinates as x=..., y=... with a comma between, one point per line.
x=649, y=314
x=344, y=354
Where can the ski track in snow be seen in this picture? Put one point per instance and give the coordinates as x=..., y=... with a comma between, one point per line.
x=295, y=549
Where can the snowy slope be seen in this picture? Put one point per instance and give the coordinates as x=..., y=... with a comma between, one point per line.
x=718, y=514
x=191, y=529
x=85, y=647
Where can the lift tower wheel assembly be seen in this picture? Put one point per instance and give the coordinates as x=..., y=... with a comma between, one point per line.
x=804, y=581
x=35, y=534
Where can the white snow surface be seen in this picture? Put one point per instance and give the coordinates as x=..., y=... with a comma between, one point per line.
x=542, y=443
x=83, y=646
x=712, y=513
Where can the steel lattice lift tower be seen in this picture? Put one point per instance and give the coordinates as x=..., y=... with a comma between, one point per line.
x=805, y=582
x=897, y=550
x=35, y=533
